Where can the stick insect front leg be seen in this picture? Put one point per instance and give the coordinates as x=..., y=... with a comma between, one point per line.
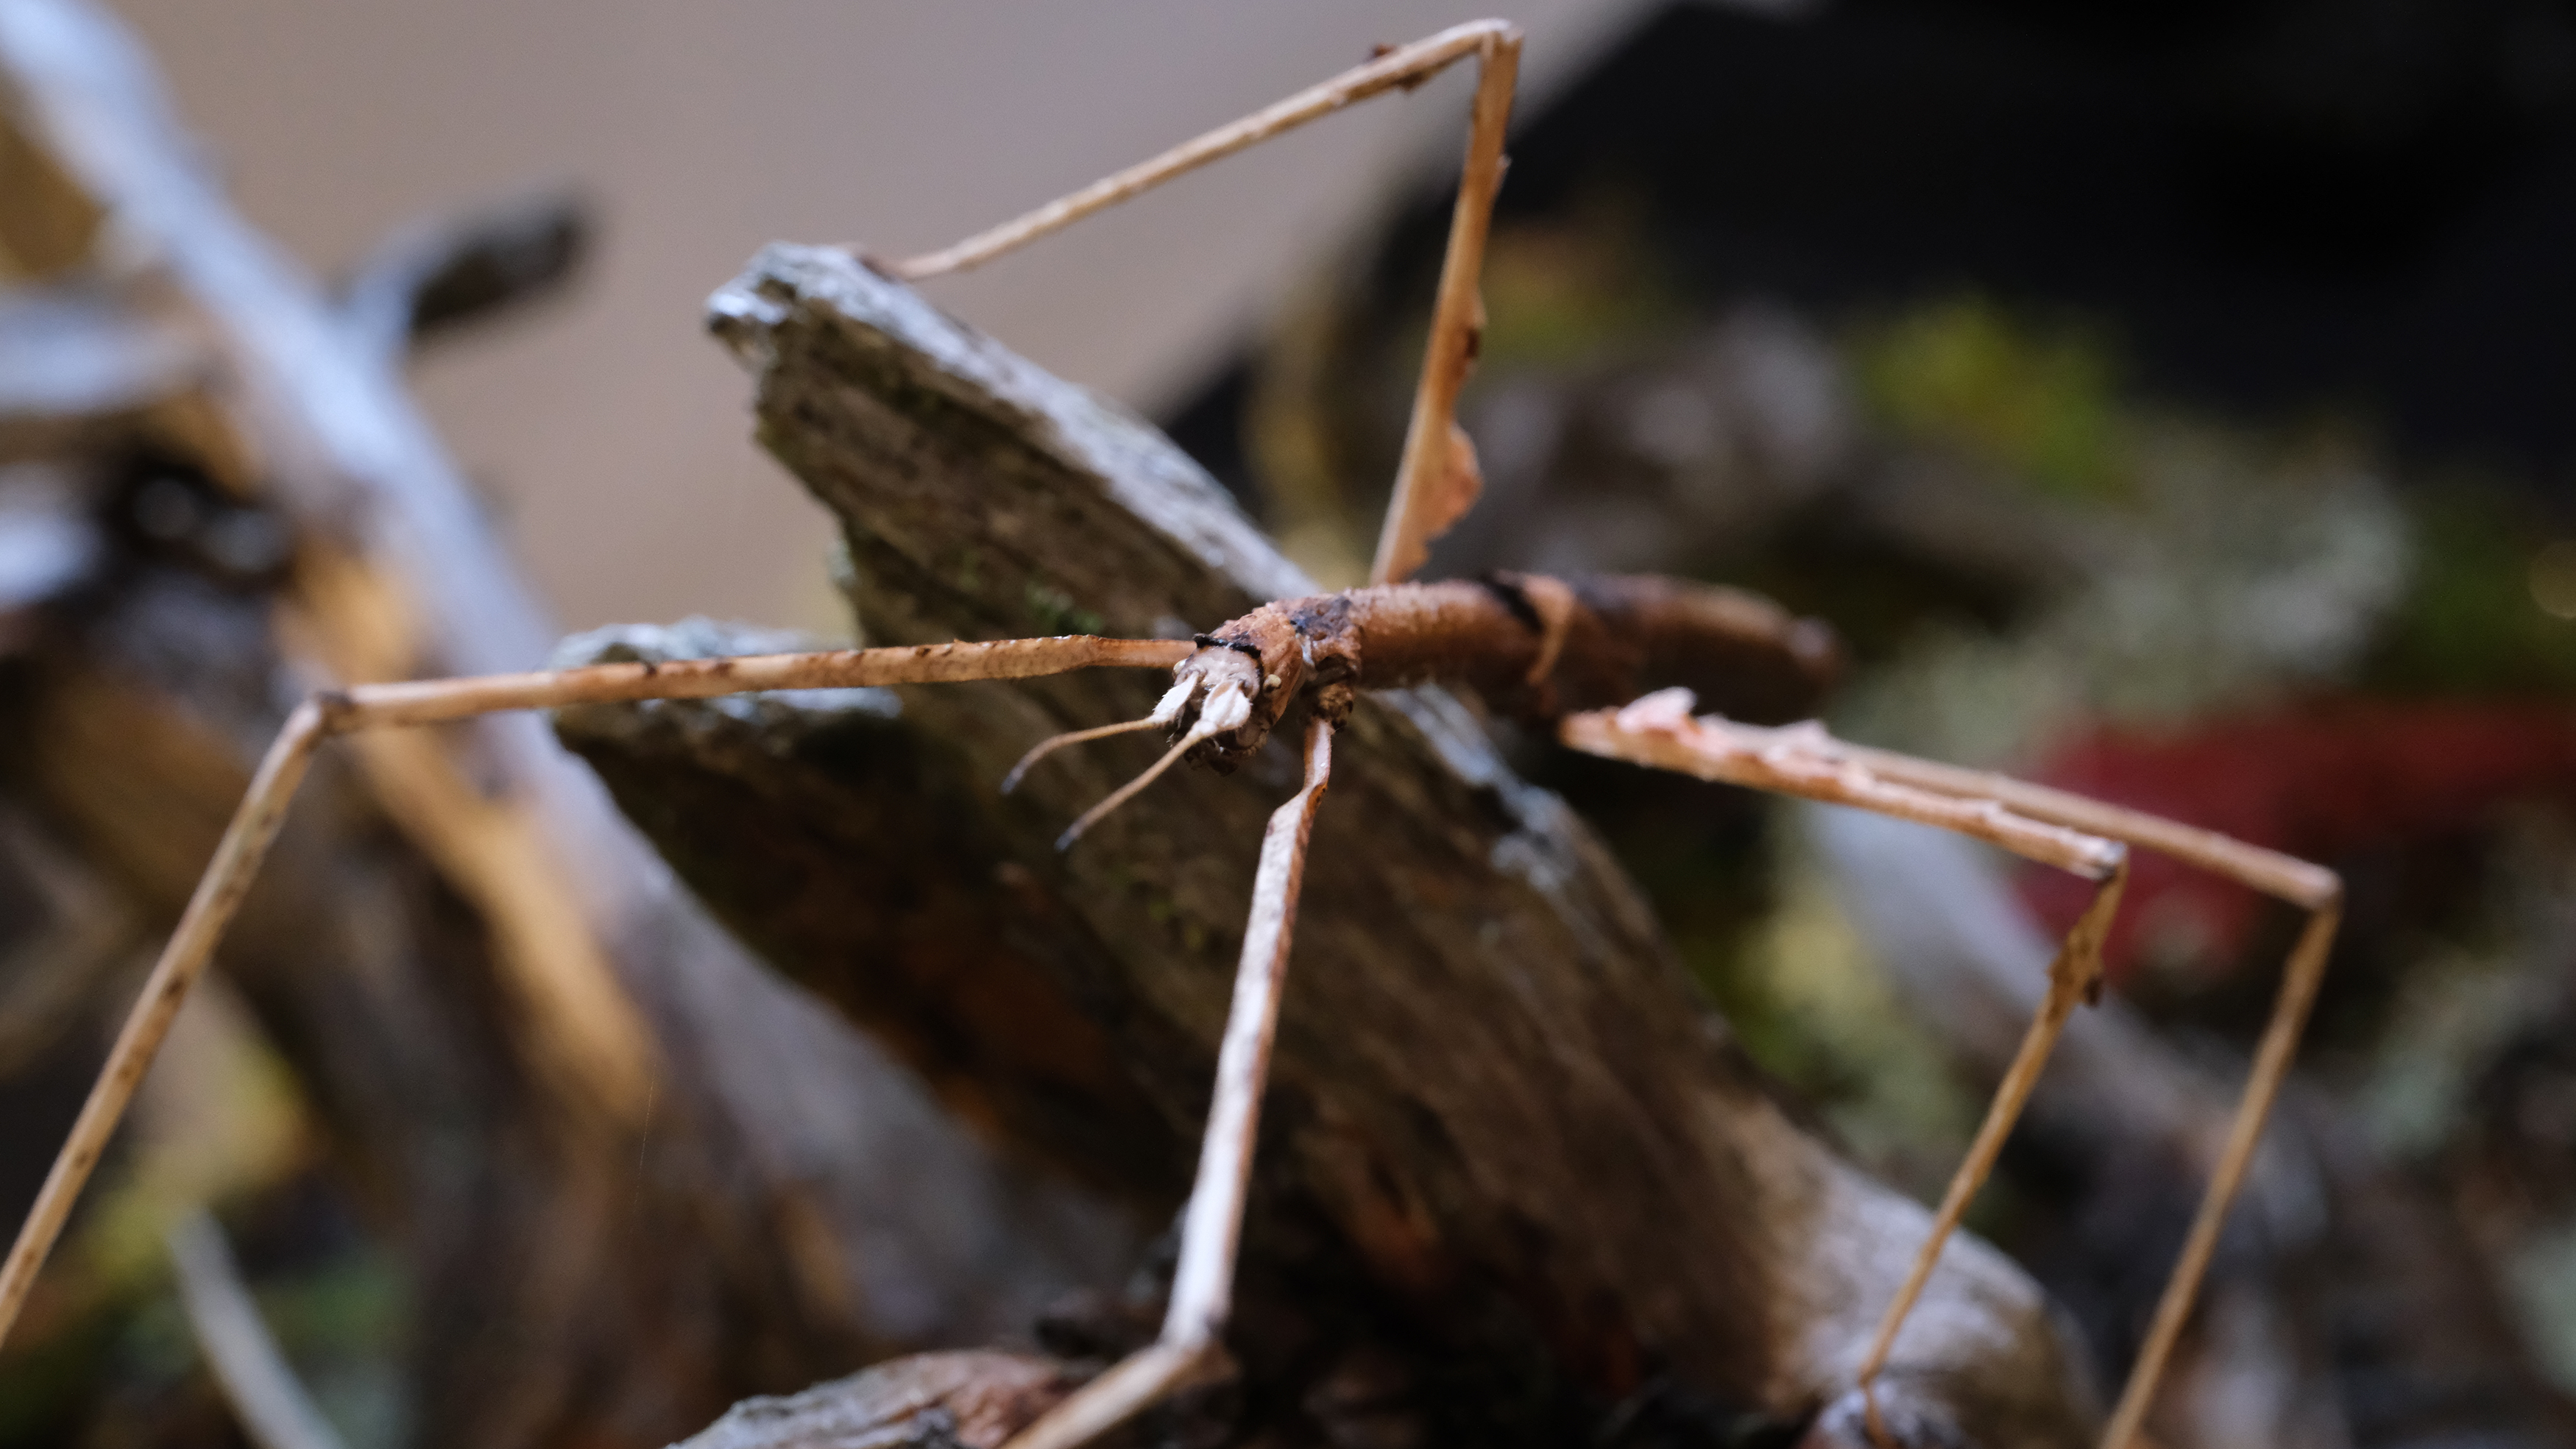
x=1805, y=761
x=256, y=821
x=1188, y=1351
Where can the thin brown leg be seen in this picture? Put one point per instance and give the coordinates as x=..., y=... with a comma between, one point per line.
x=1436, y=480
x=2299, y=982
x=2309, y=886
x=1659, y=731
x=1806, y=751
x=1189, y=1350
x=219, y=893
x=255, y=823
x=2074, y=977
x=1401, y=68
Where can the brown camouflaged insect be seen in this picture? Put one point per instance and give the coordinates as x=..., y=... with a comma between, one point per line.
x=1577, y=655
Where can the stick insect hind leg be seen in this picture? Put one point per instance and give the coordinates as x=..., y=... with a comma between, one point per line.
x=2309, y=887
x=1805, y=761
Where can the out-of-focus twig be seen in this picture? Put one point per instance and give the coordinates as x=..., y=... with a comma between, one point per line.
x=248, y=1366
x=440, y=274
x=79, y=360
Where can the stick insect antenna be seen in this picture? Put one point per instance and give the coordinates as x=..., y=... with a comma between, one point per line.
x=1167, y=710
x=1188, y=1351
x=1053, y=743
x=1224, y=710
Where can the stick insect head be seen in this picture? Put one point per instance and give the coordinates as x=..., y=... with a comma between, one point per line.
x=1270, y=657
x=1232, y=691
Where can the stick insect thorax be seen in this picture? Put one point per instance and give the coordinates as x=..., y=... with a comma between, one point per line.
x=1530, y=645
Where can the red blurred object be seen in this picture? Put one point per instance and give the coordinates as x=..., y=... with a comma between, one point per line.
x=2322, y=780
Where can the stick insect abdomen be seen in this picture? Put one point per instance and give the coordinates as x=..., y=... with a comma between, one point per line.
x=1529, y=645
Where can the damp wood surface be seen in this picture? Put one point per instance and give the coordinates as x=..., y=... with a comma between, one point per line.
x=1499, y=1116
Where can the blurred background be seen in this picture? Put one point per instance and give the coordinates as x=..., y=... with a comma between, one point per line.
x=2167, y=402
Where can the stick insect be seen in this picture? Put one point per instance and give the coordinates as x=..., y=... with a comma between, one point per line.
x=1574, y=654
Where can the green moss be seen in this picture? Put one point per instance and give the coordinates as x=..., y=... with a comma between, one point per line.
x=1056, y=612
x=2469, y=623
x=45, y=1382
x=1560, y=292
x=2040, y=401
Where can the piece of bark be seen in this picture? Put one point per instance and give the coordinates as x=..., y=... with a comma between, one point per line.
x=434, y=277
x=67, y=933
x=632, y=1175
x=930, y=1401
x=1493, y=1087
x=86, y=365
x=966, y=994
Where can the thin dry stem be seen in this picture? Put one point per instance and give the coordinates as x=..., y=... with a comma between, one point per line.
x=1212, y=1223
x=2073, y=978
x=1403, y=67
x=255, y=824
x=2300, y=883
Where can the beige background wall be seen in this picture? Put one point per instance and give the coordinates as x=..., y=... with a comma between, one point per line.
x=611, y=433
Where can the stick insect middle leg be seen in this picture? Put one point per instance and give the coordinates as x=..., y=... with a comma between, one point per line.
x=1435, y=478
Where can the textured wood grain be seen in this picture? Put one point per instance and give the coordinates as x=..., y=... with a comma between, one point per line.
x=932, y=1401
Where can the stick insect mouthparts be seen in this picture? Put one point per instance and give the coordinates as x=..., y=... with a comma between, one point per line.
x=1578, y=655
